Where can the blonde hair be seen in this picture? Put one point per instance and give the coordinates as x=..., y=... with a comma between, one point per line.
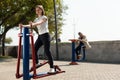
x=41, y=7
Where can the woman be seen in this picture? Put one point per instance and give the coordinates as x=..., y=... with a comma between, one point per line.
x=41, y=22
x=83, y=43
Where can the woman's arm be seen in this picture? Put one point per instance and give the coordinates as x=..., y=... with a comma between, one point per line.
x=33, y=24
x=84, y=39
x=38, y=23
x=24, y=25
x=28, y=25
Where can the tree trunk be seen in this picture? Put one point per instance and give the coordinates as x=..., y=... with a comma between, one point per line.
x=3, y=46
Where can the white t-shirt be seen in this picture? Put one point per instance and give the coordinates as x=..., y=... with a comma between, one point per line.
x=43, y=28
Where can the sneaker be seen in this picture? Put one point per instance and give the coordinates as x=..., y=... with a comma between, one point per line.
x=51, y=71
x=78, y=56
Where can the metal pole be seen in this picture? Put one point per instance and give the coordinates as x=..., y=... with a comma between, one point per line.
x=26, y=54
x=56, y=36
x=73, y=51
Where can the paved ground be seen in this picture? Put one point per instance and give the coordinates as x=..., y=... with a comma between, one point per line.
x=82, y=71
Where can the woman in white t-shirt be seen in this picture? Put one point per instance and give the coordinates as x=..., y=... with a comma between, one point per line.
x=41, y=22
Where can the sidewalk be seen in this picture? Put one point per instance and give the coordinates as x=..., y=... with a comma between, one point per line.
x=82, y=71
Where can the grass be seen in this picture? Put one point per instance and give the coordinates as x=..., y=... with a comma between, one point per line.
x=5, y=57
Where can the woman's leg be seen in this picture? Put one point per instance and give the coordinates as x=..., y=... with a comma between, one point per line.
x=38, y=44
x=77, y=50
x=83, y=53
x=46, y=42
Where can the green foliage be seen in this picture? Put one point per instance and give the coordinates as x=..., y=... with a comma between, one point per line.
x=13, y=12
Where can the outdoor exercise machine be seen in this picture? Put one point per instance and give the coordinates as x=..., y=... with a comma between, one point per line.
x=27, y=36
x=74, y=60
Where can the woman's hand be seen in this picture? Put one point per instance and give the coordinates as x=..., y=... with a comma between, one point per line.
x=30, y=23
x=20, y=25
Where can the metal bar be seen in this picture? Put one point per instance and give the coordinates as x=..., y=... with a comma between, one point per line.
x=26, y=54
x=19, y=54
x=56, y=36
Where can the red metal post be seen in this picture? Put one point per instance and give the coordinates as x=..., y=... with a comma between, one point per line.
x=19, y=54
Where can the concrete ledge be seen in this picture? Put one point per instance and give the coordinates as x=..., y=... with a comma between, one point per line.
x=101, y=51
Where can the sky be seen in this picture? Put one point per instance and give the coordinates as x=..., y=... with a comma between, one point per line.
x=99, y=20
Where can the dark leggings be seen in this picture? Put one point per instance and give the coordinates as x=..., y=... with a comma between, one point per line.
x=78, y=48
x=44, y=39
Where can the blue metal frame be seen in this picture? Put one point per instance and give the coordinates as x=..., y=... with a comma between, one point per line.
x=73, y=51
x=26, y=71
x=26, y=54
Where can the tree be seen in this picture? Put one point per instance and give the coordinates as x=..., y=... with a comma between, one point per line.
x=13, y=12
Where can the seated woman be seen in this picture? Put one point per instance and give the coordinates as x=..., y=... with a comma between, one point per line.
x=83, y=43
